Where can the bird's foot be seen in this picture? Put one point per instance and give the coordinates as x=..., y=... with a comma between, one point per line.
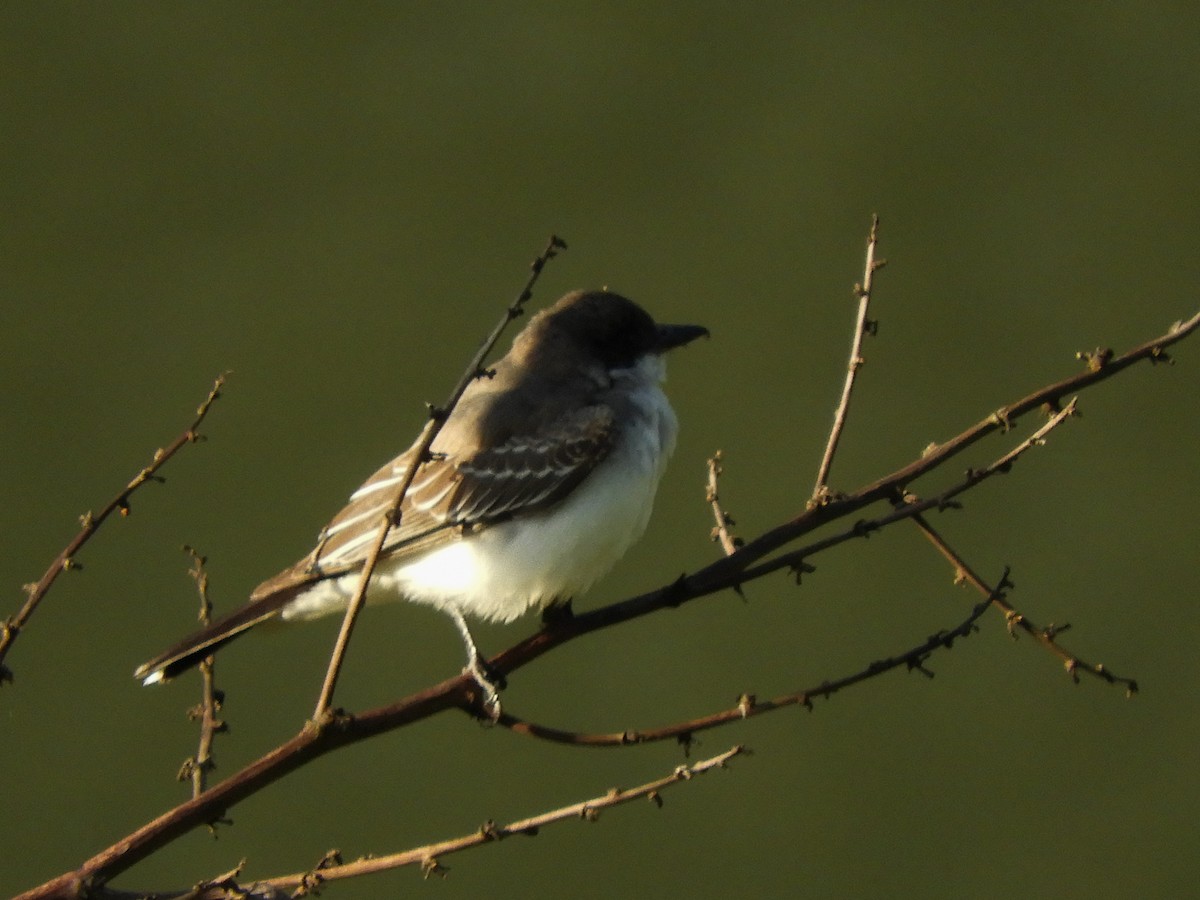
x=490, y=682
x=557, y=613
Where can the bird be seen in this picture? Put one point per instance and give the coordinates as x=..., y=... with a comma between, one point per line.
x=541, y=477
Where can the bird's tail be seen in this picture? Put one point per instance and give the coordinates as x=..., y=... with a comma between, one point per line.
x=193, y=648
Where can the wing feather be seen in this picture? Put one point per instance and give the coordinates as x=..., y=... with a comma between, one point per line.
x=524, y=473
x=530, y=472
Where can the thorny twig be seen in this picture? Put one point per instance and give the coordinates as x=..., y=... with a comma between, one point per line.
x=205, y=712
x=1047, y=636
x=429, y=857
x=748, y=705
x=906, y=505
x=935, y=455
x=91, y=522
x=862, y=327
x=721, y=530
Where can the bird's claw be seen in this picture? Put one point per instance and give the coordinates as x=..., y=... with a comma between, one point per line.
x=490, y=682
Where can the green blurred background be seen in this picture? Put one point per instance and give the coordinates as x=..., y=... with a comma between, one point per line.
x=334, y=202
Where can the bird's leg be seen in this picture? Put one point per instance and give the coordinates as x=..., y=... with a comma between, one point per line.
x=489, y=681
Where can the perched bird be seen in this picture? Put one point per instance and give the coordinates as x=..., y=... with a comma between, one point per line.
x=542, y=476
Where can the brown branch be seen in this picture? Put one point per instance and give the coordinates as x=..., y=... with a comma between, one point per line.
x=1047, y=637
x=933, y=457
x=456, y=692
x=91, y=523
x=433, y=425
x=862, y=327
x=748, y=705
x=429, y=857
x=904, y=509
x=196, y=768
x=910, y=507
x=906, y=506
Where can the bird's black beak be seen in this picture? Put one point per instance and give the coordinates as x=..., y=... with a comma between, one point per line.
x=671, y=336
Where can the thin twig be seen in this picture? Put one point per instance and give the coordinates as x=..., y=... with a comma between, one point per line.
x=91, y=522
x=721, y=530
x=862, y=327
x=391, y=517
x=1047, y=637
x=906, y=506
x=934, y=456
x=910, y=507
x=429, y=857
x=196, y=769
x=748, y=705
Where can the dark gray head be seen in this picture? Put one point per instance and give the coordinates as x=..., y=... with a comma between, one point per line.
x=604, y=325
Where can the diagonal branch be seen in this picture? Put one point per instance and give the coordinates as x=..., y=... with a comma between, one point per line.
x=91, y=522
x=936, y=455
x=862, y=327
x=429, y=857
x=906, y=506
x=796, y=560
x=391, y=517
x=1047, y=637
x=748, y=705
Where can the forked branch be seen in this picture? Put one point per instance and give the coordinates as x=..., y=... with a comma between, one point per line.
x=90, y=523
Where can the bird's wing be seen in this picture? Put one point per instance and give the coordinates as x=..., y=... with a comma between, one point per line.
x=521, y=474
x=530, y=472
